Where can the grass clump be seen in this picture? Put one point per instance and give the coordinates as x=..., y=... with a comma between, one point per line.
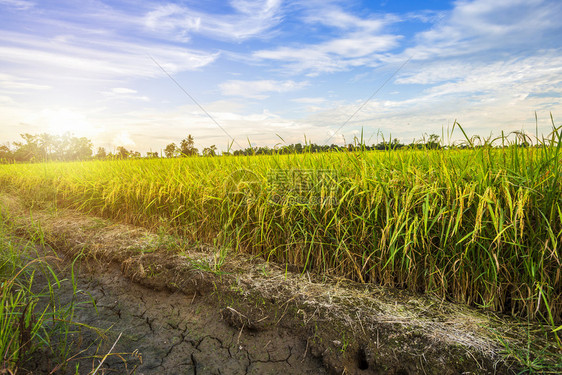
x=34, y=325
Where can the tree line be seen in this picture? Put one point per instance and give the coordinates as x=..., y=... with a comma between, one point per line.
x=42, y=147
x=48, y=147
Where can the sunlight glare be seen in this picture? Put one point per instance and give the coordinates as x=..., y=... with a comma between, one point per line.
x=61, y=121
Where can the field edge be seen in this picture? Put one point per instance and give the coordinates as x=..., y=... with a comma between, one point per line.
x=352, y=327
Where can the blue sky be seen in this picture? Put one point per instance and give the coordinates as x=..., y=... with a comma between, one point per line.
x=272, y=69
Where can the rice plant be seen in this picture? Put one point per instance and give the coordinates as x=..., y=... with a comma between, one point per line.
x=478, y=224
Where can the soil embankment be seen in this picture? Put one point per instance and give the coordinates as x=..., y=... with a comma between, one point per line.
x=197, y=310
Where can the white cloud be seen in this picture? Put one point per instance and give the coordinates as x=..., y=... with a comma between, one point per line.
x=102, y=58
x=501, y=97
x=124, y=93
x=492, y=27
x=427, y=16
x=357, y=42
x=485, y=52
x=6, y=100
x=124, y=139
x=259, y=127
x=532, y=75
x=122, y=90
x=336, y=17
x=259, y=89
x=475, y=30
x=332, y=56
x=12, y=83
x=252, y=18
x=18, y=4
x=484, y=63
x=309, y=100
x=173, y=19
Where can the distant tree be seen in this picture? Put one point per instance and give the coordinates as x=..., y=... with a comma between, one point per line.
x=6, y=154
x=48, y=144
x=101, y=154
x=52, y=147
x=134, y=154
x=187, y=146
x=122, y=153
x=171, y=150
x=433, y=142
x=264, y=151
x=150, y=154
x=384, y=145
x=210, y=151
x=29, y=150
x=79, y=149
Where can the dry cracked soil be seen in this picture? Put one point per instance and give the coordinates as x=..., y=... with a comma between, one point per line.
x=163, y=332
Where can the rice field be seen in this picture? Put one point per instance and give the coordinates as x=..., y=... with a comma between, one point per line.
x=479, y=225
